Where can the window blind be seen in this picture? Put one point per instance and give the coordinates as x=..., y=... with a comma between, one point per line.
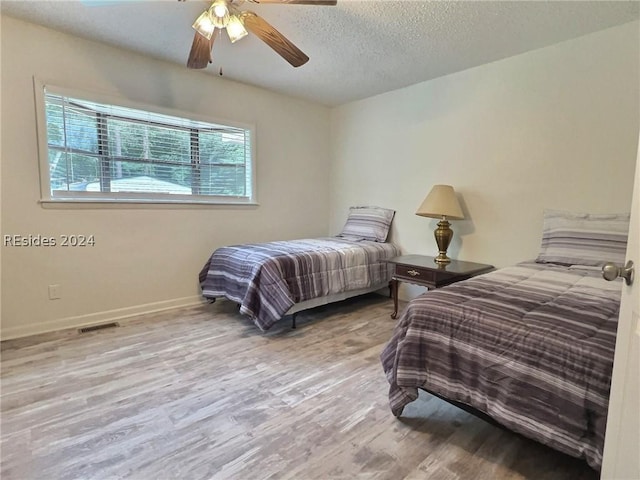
x=115, y=151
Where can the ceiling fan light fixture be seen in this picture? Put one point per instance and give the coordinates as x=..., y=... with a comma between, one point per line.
x=204, y=25
x=235, y=29
x=220, y=8
x=219, y=13
x=220, y=22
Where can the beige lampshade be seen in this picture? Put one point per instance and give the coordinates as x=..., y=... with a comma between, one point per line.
x=441, y=202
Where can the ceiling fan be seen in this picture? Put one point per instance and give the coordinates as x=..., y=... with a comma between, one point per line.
x=226, y=15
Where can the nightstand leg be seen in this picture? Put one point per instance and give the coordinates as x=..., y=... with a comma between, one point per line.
x=394, y=293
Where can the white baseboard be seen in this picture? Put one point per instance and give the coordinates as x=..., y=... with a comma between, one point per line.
x=98, y=317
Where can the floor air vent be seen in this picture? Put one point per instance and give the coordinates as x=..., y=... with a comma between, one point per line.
x=102, y=326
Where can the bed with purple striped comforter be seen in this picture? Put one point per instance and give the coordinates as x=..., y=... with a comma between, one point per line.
x=531, y=345
x=267, y=279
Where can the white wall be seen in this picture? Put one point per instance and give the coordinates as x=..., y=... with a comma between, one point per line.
x=552, y=128
x=144, y=258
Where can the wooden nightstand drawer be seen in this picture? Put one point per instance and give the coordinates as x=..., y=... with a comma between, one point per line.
x=415, y=273
x=422, y=270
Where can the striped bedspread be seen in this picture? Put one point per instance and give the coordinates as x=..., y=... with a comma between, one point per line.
x=530, y=345
x=267, y=279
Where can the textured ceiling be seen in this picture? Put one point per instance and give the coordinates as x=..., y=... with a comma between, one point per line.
x=357, y=48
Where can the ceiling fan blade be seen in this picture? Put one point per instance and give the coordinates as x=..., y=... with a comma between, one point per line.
x=200, y=54
x=272, y=37
x=299, y=2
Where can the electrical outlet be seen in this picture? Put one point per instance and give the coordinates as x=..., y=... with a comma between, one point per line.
x=54, y=292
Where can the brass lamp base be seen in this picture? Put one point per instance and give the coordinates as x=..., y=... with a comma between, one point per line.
x=443, y=235
x=442, y=259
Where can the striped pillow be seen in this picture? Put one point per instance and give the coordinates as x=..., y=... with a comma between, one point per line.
x=583, y=238
x=368, y=223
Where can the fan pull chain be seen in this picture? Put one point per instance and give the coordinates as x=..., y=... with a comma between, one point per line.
x=220, y=36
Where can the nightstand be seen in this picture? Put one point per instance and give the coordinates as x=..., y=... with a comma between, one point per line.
x=422, y=270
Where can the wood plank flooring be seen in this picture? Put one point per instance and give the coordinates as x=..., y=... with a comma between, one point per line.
x=201, y=393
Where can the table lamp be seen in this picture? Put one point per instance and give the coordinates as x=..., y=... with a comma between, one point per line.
x=442, y=203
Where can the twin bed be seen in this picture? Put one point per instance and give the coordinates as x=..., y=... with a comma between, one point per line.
x=272, y=280
x=529, y=346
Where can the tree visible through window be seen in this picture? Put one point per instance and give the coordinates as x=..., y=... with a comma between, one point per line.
x=108, y=151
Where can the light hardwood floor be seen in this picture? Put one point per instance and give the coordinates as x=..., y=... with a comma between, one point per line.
x=201, y=393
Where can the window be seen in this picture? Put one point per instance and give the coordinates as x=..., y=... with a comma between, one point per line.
x=103, y=152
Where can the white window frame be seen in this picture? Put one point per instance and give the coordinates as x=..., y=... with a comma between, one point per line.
x=73, y=197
